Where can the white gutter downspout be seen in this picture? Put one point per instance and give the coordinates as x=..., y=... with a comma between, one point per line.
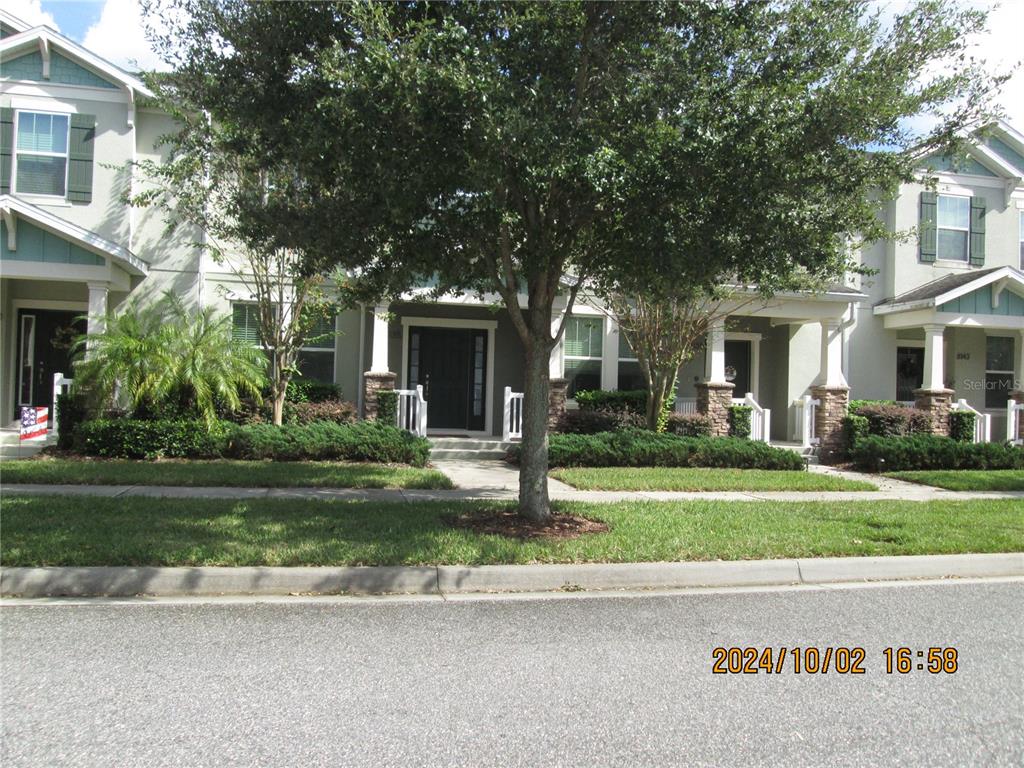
x=131, y=175
x=362, y=352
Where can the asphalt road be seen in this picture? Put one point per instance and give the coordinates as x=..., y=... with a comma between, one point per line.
x=570, y=681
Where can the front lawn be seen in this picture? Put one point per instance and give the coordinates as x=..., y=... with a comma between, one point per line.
x=702, y=479
x=248, y=474
x=79, y=531
x=967, y=479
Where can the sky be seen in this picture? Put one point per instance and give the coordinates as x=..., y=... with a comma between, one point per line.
x=113, y=29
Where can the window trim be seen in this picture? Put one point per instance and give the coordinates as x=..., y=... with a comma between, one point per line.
x=15, y=152
x=998, y=372
x=938, y=228
x=600, y=357
x=332, y=350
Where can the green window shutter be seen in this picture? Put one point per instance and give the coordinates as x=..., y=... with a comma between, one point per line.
x=245, y=323
x=977, y=252
x=6, y=148
x=926, y=226
x=80, y=158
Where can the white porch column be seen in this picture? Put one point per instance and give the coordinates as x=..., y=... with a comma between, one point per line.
x=610, y=355
x=97, y=316
x=934, y=355
x=830, y=372
x=714, y=358
x=379, y=350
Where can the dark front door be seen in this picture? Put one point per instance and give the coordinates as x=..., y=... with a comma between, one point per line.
x=45, y=341
x=737, y=367
x=451, y=364
x=909, y=371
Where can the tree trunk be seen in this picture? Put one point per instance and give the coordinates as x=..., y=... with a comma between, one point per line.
x=533, y=457
x=277, y=415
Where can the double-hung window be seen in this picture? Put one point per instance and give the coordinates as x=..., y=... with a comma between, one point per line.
x=41, y=156
x=998, y=370
x=583, y=345
x=629, y=375
x=316, y=356
x=954, y=227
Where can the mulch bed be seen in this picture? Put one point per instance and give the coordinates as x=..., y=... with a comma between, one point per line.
x=506, y=522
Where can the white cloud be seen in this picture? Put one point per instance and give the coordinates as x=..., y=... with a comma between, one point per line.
x=119, y=36
x=31, y=12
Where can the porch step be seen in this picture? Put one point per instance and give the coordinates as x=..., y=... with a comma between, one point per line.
x=467, y=448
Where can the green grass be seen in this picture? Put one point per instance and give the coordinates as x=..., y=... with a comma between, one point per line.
x=696, y=479
x=57, y=530
x=248, y=474
x=967, y=479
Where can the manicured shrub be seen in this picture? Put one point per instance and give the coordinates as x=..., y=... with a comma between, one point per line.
x=71, y=411
x=588, y=422
x=854, y=428
x=896, y=454
x=141, y=439
x=856, y=405
x=387, y=406
x=689, y=424
x=739, y=420
x=325, y=440
x=895, y=420
x=310, y=391
x=643, y=448
x=634, y=400
x=338, y=411
x=961, y=426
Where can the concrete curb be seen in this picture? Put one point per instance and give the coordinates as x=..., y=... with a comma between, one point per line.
x=451, y=579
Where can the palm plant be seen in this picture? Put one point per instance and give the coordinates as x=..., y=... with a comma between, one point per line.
x=162, y=358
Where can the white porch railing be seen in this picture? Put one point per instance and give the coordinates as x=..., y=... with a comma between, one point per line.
x=512, y=418
x=412, y=411
x=1013, y=409
x=805, y=413
x=60, y=387
x=685, y=405
x=760, y=418
x=982, y=421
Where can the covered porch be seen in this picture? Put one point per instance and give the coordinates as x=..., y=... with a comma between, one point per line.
x=56, y=282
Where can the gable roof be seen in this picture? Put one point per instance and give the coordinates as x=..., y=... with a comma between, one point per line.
x=41, y=38
x=128, y=261
x=951, y=287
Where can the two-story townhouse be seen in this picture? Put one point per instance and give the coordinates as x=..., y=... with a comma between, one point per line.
x=943, y=317
x=69, y=246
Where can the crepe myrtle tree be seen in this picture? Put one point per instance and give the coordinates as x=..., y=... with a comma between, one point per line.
x=497, y=147
x=229, y=198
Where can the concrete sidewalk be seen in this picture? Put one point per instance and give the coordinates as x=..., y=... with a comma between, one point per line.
x=558, y=491
x=454, y=579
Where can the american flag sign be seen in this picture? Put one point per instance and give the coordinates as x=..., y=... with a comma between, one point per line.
x=33, y=422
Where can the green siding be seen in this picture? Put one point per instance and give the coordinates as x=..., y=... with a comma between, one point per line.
x=35, y=244
x=62, y=70
x=1005, y=151
x=957, y=165
x=979, y=302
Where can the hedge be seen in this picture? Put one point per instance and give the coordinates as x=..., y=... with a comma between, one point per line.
x=71, y=411
x=387, y=406
x=856, y=405
x=739, y=420
x=961, y=426
x=634, y=400
x=325, y=440
x=642, y=448
x=895, y=420
x=310, y=391
x=358, y=441
x=589, y=422
x=689, y=424
x=896, y=454
x=338, y=411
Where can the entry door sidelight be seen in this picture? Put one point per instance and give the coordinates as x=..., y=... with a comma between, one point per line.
x=909, y=371
x=46, y=339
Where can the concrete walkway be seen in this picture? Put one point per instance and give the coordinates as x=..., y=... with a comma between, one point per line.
x=558, y=491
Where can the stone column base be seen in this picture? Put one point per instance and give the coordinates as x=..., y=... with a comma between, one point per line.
x=714, y=399
x=557, y=393
x=828, y=421
x=937, y=403
x=374, y=382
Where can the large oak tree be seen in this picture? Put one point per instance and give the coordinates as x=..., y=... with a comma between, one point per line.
x=527, y=149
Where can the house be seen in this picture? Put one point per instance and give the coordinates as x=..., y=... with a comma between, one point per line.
x=936, y=315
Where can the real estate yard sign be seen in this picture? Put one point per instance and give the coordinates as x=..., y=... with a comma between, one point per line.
x=34, y=422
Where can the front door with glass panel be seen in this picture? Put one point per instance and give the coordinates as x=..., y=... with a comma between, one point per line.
x=737, y=367
x=45, y=343
x=909, y=372
x=451, y=364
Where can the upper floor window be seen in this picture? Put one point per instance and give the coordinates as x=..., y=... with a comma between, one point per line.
x=584, y=346
x=954, y=227
x=315, y=359
x=41, y=158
